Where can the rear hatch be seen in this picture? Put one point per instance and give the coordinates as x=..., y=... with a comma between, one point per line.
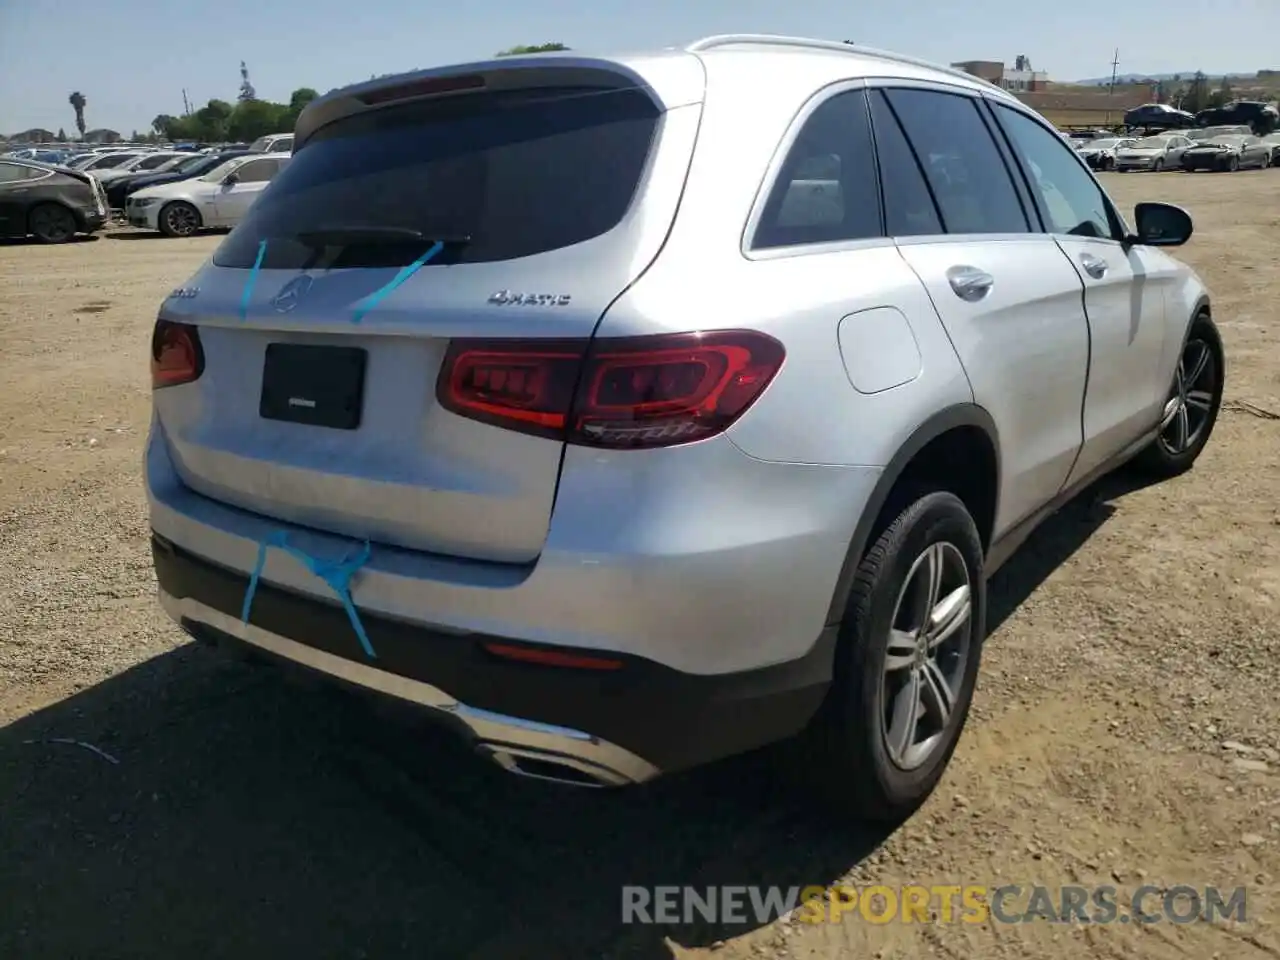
x=99, y=194
x=517, y=204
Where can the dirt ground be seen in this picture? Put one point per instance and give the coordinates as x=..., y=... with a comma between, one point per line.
x=1126, y=729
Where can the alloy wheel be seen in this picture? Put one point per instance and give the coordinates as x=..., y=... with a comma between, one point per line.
x=925, y=661
x=181, y=219
x=52, y=224
x=1188, y=410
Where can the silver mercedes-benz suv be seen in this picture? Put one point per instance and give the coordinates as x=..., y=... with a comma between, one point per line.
x=637, y=411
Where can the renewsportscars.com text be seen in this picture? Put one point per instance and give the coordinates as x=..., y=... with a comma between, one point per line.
x=969, y=903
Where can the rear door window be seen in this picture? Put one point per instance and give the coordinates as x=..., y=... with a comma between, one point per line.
x=964, y=167
x=150, y=163
x=256, y=171
x=909, y=210
x=514, y=173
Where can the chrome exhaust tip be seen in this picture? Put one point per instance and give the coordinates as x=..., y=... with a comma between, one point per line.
x=553, y=767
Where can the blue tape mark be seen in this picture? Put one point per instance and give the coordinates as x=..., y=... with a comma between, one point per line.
x=253, y=279
x=336, y=573
x=372, y=300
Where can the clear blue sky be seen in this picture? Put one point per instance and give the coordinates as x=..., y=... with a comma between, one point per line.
x=131, y=58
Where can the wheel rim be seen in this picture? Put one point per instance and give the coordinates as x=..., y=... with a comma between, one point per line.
x=1187, y=411
x=51, y=224
x=927, y=653
x=182, y=219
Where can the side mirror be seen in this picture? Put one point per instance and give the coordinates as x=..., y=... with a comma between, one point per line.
x=230, y=180
x=1161, y=225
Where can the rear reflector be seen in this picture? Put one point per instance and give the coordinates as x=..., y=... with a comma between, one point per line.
x=552, y=658
x=633, y=392
x=432, y=86
x=176, y=354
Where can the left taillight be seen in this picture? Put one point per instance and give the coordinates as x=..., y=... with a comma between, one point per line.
x=625, y=393
x=176, y=354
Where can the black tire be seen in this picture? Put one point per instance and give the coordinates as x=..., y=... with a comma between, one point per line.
x=1165, y=457
x=178, y=219
x=848, y=751
x=51, y=223
x=1158, y=166
x=1233, y=164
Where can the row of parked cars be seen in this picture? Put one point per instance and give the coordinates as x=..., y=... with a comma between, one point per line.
x=1260, y=117
x=1226, y=148
x=172, y=190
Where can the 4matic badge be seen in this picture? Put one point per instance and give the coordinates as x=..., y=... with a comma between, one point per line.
x=504, y=298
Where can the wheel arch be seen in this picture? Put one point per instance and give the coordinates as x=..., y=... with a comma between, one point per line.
x=965, y=426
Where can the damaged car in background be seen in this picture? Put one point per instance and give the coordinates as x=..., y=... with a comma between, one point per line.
x=1230, y=153
x=1100, y=154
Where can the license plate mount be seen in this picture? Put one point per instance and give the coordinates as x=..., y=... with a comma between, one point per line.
x=318, y=386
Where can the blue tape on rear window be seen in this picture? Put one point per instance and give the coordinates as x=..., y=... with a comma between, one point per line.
x=336, y=573
x=372, y=300
x=253, y=279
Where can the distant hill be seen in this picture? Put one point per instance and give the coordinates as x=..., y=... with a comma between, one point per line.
x=1139, y=77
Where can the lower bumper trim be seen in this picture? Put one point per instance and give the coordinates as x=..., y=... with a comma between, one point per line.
x=525, y=747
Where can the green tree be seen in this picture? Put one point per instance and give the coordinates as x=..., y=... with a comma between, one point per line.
x=1223, y=95
x=252, y=119
x=212, y=120
x=1197, y=97
x=297, y=103
x=62, y=135
x=162, y=123
x=531, y=48
x=78, y=101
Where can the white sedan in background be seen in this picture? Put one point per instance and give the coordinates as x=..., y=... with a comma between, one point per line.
x=220, y=198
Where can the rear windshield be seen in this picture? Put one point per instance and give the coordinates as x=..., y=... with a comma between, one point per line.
x=497, y=176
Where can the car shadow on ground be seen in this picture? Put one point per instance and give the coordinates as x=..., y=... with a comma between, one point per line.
x=33, y=242
x=232, y=813
x=124, y=233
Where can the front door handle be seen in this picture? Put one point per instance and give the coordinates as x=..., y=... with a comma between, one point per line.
x=969, y=283
x=1095, y=267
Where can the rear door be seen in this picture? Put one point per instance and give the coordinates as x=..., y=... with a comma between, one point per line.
x=232, y=201
x=551, y=193
x=1125, y=290
x=1009, y=298
x=14, y=197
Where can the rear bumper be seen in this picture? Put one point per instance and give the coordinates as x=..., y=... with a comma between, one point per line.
x=1204, y=163
x=589, y=727
x=91, y=221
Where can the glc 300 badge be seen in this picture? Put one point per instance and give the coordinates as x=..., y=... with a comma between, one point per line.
x=506, y=298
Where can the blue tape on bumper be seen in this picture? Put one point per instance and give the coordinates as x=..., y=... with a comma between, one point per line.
x=336, y=573
x=373, y=299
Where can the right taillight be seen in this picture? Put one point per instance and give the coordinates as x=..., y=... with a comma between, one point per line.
x=176, y=354
x=633, y=392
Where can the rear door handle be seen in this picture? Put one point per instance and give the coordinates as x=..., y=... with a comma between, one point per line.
x=1095, y=267
x=969, y=283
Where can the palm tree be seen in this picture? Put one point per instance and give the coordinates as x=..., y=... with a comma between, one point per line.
x=77, y=102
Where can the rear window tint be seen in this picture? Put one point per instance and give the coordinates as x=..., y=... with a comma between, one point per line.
x=517, y=172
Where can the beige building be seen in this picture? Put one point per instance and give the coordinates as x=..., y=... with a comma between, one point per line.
x=1019, y=78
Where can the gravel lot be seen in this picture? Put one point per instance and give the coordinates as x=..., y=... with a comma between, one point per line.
x=1126, y=728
